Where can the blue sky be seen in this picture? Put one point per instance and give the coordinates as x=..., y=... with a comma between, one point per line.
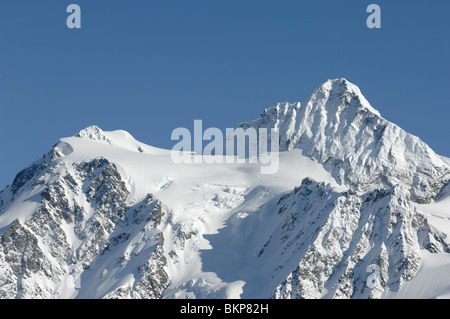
x=149, y=66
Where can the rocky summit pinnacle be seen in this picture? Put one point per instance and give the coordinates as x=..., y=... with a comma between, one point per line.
x=343, y=91
x=94, y=133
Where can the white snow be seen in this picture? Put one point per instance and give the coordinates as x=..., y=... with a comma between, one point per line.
x=201, y=198
x=433, y=278
x=431, y=282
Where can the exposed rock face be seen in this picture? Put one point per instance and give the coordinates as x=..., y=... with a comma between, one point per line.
x=93, y=133
x=82, y=220
x=337, y=236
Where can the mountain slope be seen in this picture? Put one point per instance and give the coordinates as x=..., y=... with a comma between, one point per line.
x=81, y=223
x=105, y=216
x=316, y=242
x=338, y=128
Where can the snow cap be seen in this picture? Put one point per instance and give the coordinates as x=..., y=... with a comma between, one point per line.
x=94, y=133
x=337, y=88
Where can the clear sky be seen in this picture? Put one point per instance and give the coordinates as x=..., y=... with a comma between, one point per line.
x=149, y=66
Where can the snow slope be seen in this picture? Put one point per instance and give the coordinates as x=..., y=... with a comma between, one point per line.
x=198, y=198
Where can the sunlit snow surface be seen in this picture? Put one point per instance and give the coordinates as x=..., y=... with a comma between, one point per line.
x=201, y=197
x=206, y=199
x=433, y=279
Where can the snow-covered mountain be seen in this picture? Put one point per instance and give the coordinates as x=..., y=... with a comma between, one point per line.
x=102, y=215
x=338, y=128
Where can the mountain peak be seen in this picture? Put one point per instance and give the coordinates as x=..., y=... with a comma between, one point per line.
x=340, y=85
x=117, y=138
x=337, y=83
x=341, y=89
x=94, y=133
x=339, y=128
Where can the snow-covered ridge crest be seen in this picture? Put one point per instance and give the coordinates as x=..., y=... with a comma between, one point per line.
x=338, y=128
x=94, y=133
x=118, y=138
x=339, y=88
